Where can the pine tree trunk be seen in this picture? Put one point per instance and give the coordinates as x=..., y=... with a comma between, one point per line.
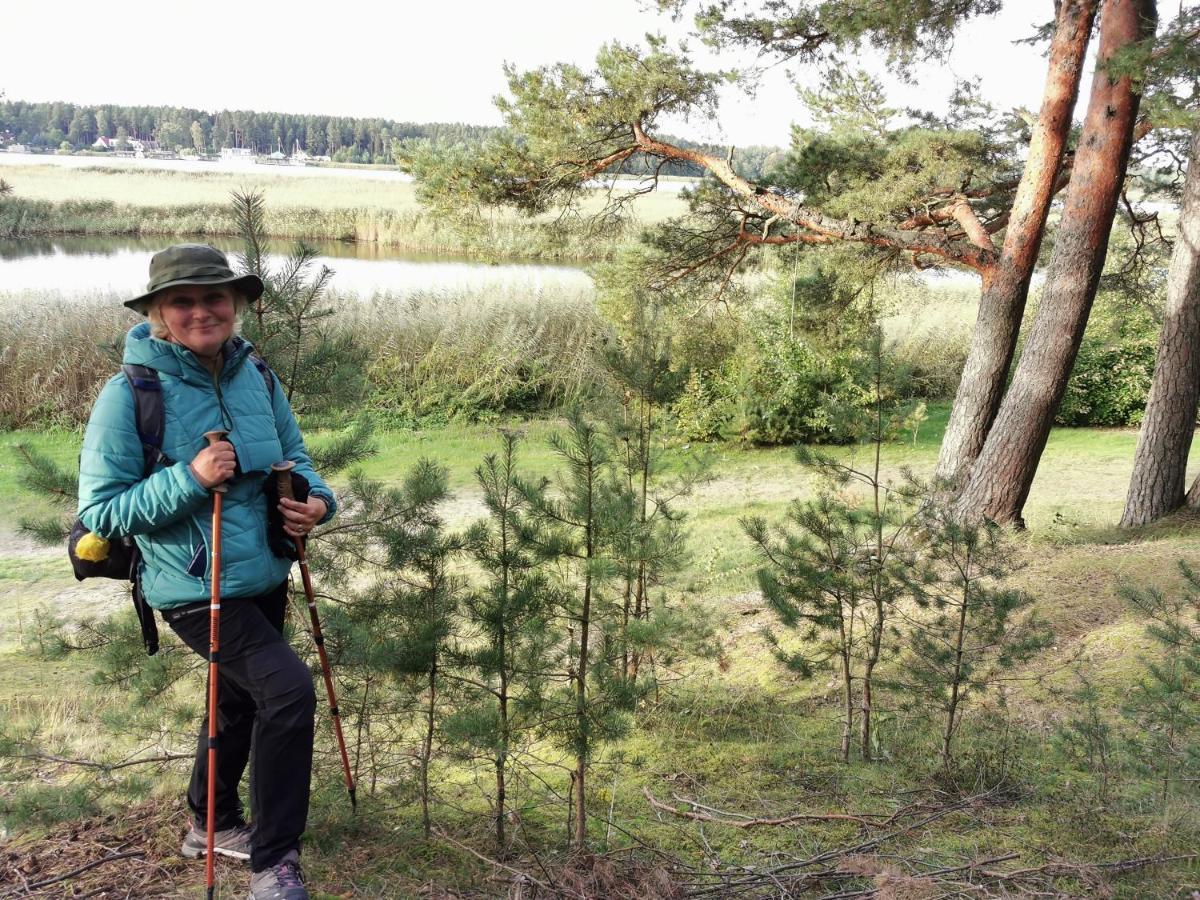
x=1003, y=474
x=502, y=655
x=960, y=638
x=581, y=721
x=1160, y=462
x=1006, y=285
x=427, y=752
x=847, y=687
x=864, y=726
x=583, y=746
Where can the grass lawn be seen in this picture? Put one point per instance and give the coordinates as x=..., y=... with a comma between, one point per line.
x=742, y=736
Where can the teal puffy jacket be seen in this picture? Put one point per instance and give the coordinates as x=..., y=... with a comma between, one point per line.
x=169, y=513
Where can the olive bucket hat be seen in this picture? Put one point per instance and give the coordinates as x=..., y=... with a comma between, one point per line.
x=193, y=264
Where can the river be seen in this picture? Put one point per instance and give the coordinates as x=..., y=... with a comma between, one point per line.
x=84, y=265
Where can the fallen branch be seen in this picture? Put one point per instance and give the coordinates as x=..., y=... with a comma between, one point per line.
x=736, y=820
x=701, y=813
x=38, y=885
x=730, y=883
x=552, y=889
x=1061, y=869
x=107, y=767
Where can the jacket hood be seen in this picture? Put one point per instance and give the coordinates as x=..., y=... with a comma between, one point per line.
x=142, y=349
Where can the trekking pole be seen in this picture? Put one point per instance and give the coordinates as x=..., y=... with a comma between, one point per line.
x=214, y=646
x=283, y=478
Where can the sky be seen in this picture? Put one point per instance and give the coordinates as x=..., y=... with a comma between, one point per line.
x=420, y=62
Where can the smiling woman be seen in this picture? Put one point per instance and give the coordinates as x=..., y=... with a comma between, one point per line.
x=200, y=318
x=211, y=384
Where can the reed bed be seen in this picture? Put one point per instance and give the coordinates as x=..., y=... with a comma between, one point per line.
x=434, y=356
x=56, y=352
x=147, y=187
x=410, y=230
x=99, y=200
x=928, y=327
x=472, y=354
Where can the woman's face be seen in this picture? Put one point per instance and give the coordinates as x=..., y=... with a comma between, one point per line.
x=198, y=316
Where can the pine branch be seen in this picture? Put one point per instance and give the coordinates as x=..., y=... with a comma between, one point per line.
x=45, y=477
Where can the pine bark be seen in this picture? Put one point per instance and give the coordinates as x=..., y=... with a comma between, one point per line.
x=1160, y=461
x=1006, y=284
x=1004, y=471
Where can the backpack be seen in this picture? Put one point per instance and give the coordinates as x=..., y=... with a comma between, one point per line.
x=121, y=558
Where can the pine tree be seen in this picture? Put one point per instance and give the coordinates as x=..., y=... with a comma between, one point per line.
x=975, y=630
x=1089, y=737
x=399, y=631
x=837, y=569
x=649, y=546
x=322, y=371
x=576, y=527
x=1164, y=707
x=503, y=667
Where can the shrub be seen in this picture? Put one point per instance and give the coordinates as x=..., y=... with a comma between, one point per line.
x=701, y=411
x=1112, y=375
x=786, y=390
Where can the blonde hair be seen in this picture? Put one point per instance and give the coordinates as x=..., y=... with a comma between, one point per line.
x=158, y=328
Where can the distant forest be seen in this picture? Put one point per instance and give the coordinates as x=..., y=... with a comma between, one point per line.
x=66, y=126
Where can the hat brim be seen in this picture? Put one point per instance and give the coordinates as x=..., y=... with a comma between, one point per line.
x=250, y=286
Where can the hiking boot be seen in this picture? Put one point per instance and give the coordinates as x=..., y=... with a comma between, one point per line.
x=232, y=842
x=282, y=881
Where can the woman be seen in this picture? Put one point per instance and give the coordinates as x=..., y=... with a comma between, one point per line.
x=265, y=695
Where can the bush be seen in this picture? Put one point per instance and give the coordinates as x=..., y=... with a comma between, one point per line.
x=701, y=411
x=1111, y=379
x=776, y=389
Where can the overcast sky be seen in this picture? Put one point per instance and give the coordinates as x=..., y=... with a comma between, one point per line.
x=422, y=62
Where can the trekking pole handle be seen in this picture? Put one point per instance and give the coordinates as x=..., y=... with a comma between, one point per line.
x=283, y=478
x=215, y=437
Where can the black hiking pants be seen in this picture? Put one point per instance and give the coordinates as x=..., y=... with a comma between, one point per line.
x=265, y=703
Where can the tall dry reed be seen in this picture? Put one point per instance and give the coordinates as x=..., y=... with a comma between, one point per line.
x=467, y=354
x=56, y=351
x=433, y=355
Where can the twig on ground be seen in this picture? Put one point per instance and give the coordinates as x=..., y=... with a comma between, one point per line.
x=552, y=889
x=701, y=813
x=107, y=767
x=37, y=885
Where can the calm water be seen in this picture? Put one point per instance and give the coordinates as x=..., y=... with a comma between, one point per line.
x=86, y=265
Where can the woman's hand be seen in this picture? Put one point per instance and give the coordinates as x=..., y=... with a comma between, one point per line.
x=214, y=464
x=299, y=518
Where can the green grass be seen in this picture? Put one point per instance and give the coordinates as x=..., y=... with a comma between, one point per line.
x=745, y=736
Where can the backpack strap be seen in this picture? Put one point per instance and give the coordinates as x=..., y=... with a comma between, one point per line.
x=149, y=413
x=265, y=371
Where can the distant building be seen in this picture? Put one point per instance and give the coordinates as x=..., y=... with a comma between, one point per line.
x=17, y=148
x=237, y=153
